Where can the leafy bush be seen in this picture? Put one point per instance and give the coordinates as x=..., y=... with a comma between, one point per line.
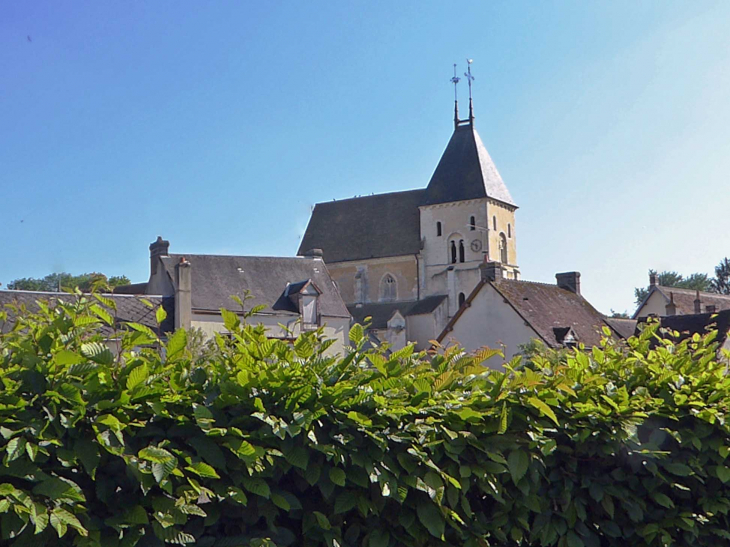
x=262, y=442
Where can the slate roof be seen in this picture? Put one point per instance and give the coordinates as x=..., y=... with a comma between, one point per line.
x=698, y=323
x=134, y=288
x=548, y=309
x=684, y=299
x=130, y=308
x=215, y=278
x=376, y=226
x=466, y=171
x=381, y=312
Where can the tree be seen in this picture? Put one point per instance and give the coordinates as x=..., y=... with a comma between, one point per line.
x=696, y=282
x=57, y=282
x=721, y=282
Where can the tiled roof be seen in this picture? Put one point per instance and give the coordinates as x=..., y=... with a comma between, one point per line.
x=366, y=227
x=552, y=312
x=466, y=171
x=216, y=278
x=546, y=307
x=623, y=326
x=129, y=308
x=381, y=312
x=684, y=299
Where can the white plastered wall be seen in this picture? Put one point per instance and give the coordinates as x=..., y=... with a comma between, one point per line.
x=335, y=328
x=491, y=322
x=656, y=304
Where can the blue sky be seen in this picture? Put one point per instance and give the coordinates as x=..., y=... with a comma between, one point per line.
x=218, y=125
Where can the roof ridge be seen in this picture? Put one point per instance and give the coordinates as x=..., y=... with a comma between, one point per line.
x=543, y=283
x=371, y=196
x=105, y=294
x=693, y=291
x=187, y=255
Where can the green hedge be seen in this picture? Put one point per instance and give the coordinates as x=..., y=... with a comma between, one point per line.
x=258, y=442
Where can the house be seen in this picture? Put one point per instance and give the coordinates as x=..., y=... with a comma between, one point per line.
x=297, y=293
x=509, y=313
x=662, y=301
x=389, y=252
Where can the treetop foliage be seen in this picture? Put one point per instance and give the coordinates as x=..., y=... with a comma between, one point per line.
x=263, y=442
x=56, y=282
x=695, y=282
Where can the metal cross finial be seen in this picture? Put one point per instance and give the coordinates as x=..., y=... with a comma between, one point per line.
x=455, y=80
x=470, y=79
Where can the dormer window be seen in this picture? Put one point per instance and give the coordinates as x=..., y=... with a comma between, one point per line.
x=309, y=309
x=565, y=336
x=438, y=229
x=305, y=295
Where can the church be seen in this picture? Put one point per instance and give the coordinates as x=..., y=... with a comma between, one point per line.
x=409, y=260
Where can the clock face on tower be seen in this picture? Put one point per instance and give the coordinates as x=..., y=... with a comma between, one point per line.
x=476, y=245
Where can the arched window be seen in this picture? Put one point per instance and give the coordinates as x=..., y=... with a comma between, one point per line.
x=453, y=251
x=461, y=250
x=438, y=229
x=388, y=288
x=494, y=222
x=509, y=230
x=462, y=299
x=503, y=248
x=472, y=224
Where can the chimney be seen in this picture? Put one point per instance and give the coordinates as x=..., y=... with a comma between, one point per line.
x=671, y=307
x=570, y=281
x=491, y=271
x=653, y=280
x=698, y=303
x=183, y=295
x=314, y=253
x=711, y=308
x=159, y=248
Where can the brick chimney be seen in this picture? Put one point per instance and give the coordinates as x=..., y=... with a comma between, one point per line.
x=671, y=307
x=653, y=279
x=157, y=249
x=491, y=271
x=698, y=303
x=183, y=295
x=570, y=281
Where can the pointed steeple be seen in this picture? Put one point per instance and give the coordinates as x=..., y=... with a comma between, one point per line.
x=466, y=171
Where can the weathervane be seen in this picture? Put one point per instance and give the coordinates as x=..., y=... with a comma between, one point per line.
x=469, y=79
x=455, y=80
